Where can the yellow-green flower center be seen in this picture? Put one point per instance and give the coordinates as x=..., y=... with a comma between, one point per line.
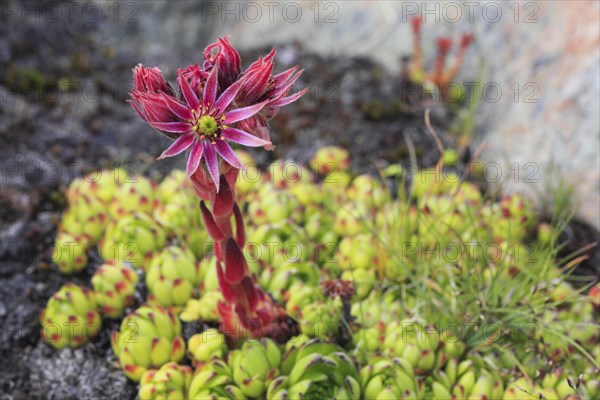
x=206, y=126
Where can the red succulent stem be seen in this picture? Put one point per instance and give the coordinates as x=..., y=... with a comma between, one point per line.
x=417, y=63
x=465, y=41
x=444, y=44
x=247, y=309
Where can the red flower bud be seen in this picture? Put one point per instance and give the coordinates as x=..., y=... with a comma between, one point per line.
x=256, y=80
x=150, y=80
x=257, y=125
x=222, y=55
x=416, y=23
x=466, y=40
x=444, y=44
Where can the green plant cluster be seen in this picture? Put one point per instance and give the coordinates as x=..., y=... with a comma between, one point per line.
x=455, y=294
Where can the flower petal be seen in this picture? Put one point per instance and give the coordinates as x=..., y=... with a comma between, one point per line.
x=228, y=95
x=177, y=108
x=284, y=76
x=187, y=91
x=212, y=163
x=210, y=89
x=138, y=110
x=194, y=157
x=243, y=113
x=285, y=87
x=150, y=80
x=178, y=146
x=176, y=127
x=228, y=155
x=244, y=138
x=290, y=99
x=257, y=80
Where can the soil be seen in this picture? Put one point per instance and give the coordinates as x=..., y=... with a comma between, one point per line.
x=52, y=131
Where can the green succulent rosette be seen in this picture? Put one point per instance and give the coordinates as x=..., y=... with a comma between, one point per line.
x=205, y=346
x=330, y=159
x=254, y=366
x=321, y=319
x=316, y=370
x=149, y=338
x=214, y=380
x=277, y=244
x=391, y=379
x=270, y=205
x=136, y=194
x=114, y=283
x=170, y=382
x=205, y=308
x=133, y=239
x=85, y=217
x=464, y=380
x=351, y=219
x=100, y=185
x=414, y=342
x=367, y=190
x=278, y=280
x=70, y=253
x=70, y=318
x=173, y=277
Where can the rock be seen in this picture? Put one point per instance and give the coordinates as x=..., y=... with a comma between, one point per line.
x=76, y=374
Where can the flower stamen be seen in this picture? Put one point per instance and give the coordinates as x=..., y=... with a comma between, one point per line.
x=207, y=126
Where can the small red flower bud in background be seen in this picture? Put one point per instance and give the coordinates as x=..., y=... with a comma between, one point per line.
x=465, y=40
x=444, y=45
x=416, y=23
x=440, y=76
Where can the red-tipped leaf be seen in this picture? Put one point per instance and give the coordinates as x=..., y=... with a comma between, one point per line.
x=223, y=205
x=240, y=232
x=236, y=267
x=209, y=222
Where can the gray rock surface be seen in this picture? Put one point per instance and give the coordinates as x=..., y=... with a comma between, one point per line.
x=74, y=374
